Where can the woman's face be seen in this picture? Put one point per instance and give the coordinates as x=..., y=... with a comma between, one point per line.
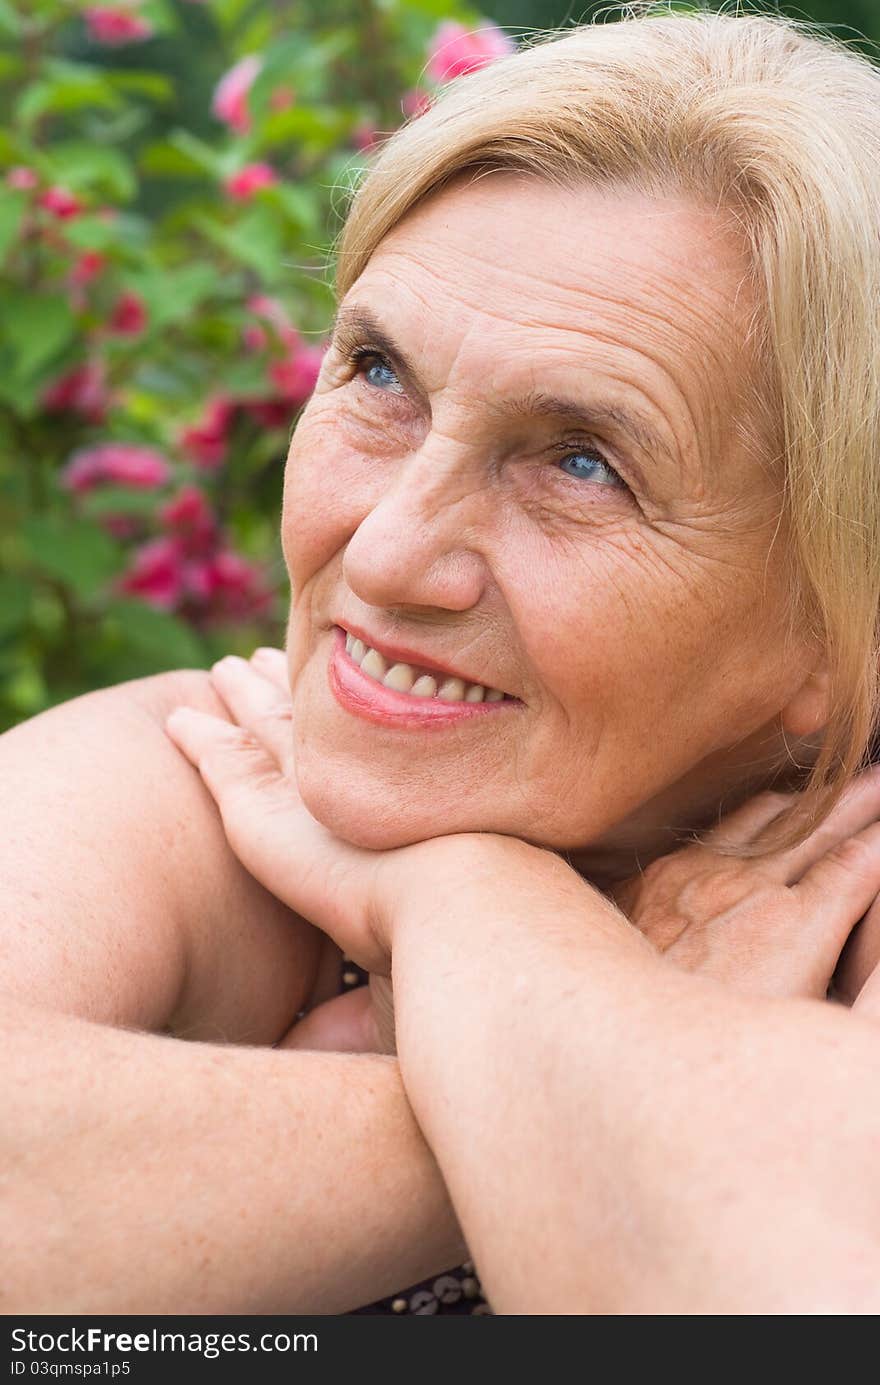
x=537, y=478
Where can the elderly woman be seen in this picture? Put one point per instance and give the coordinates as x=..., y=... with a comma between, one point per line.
x=583, y=531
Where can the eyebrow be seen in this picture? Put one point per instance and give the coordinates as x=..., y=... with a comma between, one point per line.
x=361, y=322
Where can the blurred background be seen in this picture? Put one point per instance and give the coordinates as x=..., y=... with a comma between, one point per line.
x=172, y=176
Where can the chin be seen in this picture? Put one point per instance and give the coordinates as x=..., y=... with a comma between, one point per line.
x=357, y=818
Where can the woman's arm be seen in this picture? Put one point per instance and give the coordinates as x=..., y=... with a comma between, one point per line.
x=667, y=1145
x=142, y=1174
x=146, y=1175
x=121, y=900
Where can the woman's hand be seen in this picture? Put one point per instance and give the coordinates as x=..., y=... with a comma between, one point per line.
x=774, y=925
x=248, y=768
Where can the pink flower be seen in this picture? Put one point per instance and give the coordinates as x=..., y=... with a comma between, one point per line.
x=231, y=586
x=129, y=316
x=273, y=312
x=229, y=102
x=190, y=517
x=121, y=526
x=455, y=50
x=117, y=463
x=82, y=390
x=112, y=25
x=254, y=337
x=282, y=99
x=270, y=413
x=60, y=203
x=156, y=574
x=248, y=181
x=22, y=178
x=415, y=102
x=365, y=137
x=206, y=441
x=86, y=267
x=296, y=377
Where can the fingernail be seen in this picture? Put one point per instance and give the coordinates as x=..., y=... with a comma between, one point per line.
x=264, y=652
x=229, y=661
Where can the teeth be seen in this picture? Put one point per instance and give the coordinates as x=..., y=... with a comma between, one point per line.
x=373, y=664
x=452, y=690
x=400, y=677
x=406, y=679
x=424, y=687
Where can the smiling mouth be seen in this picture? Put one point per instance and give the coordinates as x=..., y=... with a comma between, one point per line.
x=417, y=681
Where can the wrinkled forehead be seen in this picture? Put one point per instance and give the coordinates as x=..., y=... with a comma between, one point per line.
x=495, y=285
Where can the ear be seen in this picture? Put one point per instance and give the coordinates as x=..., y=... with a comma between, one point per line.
x=809, y=709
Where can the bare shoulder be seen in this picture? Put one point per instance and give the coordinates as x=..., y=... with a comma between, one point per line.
x=158, y=694
x=122, y=900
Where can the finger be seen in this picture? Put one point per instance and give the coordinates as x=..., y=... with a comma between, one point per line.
x=261, y=814
x=224, y=754
x=322, y=878
x=745, y=823
x=838, y=890
x=860, y=957
x=858, y=807
x=272, y=664
x=342, y=1025
x=257, y=706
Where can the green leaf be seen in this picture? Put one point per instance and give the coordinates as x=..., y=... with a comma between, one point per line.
x=15, y=603
x=11, y=65
x=315, y=128
x=255, y=240
x=157, y=636
x=37, y=328
x=200, y=154
x=25, y=690
x=10, y=22
x=96, y=167
x=164, y=159
x=66, y=87
x=12, y=209
x=119, y=500
x=74, y=551
x=97, y=233
x=153, y=84
x=173, y=294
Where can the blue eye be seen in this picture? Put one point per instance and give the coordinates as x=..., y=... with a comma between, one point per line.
x=590, y=465
x=378, y=372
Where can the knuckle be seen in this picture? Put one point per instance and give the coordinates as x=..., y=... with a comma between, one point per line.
x=774, y=799
x=853, y=855
x=712, y=888
x=665, y=873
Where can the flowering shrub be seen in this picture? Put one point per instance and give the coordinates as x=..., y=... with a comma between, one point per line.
x=170, y=179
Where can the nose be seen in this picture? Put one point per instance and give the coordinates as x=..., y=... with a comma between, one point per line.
x=419, y=545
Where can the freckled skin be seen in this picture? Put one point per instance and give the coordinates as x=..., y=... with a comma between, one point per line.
x=642, y=629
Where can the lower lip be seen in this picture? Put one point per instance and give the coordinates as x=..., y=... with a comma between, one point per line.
x=366, y=698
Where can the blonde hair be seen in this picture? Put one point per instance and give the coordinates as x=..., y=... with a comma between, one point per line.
x=777, y=123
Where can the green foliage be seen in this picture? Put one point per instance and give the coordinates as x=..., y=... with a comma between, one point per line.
x=128, y=275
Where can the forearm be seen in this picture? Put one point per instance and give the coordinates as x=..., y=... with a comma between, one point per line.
x=662, y=1145
x=146, y=1175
